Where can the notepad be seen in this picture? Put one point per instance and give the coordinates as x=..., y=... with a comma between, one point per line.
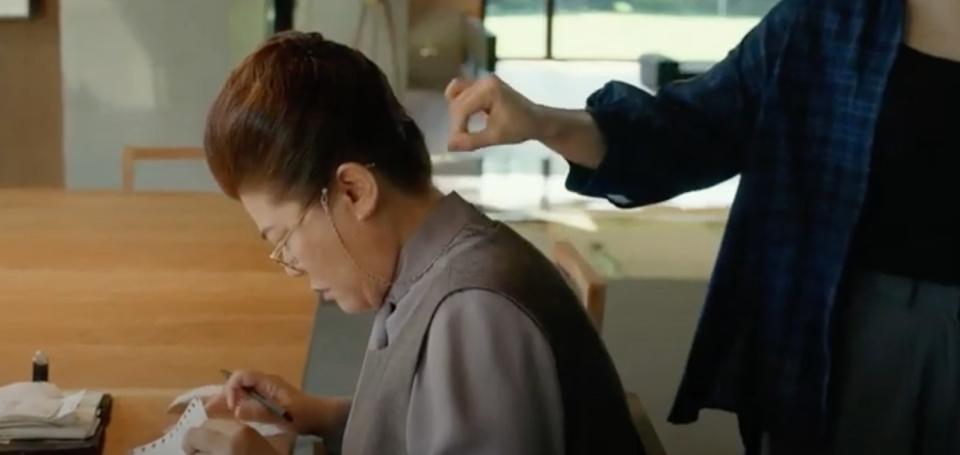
x=30, y=411
x=172, y=442
x=34, y=403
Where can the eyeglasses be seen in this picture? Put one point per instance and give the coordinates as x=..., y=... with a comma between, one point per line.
x=277, y=254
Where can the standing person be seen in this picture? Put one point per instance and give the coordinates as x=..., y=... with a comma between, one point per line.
x=831, y=320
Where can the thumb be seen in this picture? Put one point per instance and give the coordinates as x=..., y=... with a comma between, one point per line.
x=456, y=87
x=242, y=380
x=251, y=411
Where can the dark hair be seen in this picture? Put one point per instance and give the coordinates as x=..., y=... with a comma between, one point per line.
x=299, y=107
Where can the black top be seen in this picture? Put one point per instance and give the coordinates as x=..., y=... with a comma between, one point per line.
x=910, y=225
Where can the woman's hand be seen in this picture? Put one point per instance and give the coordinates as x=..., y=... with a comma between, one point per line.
x=311, y=415
x=234, y=401
x=512, y=118
x=226, y=437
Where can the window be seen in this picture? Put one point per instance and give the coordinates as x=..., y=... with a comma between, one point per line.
x=621, y=29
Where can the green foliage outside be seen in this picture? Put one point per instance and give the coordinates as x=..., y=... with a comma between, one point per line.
x=685, y=7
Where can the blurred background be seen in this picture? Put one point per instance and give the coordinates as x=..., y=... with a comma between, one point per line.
x=81, y=80
x=89, y=87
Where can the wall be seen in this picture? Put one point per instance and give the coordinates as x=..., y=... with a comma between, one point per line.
x=339, y=20
x=144, y=72
x=30, y=114
x=419, y=7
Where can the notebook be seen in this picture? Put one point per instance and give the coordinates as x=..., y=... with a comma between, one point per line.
x=172, y=442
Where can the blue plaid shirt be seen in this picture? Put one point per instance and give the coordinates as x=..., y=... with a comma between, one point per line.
x=792, y=110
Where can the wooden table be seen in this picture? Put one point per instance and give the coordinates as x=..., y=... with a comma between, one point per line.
x=142, y=296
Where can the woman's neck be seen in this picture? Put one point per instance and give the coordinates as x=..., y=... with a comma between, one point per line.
x=413, y=210
x=933, y=27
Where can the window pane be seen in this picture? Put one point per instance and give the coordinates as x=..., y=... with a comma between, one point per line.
x=679, y=29
x=520, y=27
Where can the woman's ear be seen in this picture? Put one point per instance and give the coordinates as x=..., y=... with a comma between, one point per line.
x=360, y=186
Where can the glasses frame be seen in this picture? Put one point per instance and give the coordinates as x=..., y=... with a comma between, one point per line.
x=277, y=255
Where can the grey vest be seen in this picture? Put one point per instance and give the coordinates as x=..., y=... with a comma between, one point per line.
x=487, y=255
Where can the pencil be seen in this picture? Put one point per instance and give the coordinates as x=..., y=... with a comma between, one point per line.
x=274, y=408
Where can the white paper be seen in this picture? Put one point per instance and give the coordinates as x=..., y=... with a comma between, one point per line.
x=172, y=442
x=74, y=417
x=70, y=405
x=204, y=393
x=265, y=429
x=208, y=391
x=19, y=390
x=33, y=404
x=36, y=410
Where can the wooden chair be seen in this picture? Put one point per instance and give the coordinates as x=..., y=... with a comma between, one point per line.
x=585, y=281
x=133, y=154
x=591, y=287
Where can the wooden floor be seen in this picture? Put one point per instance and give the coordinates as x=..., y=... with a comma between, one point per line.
x=143, y=296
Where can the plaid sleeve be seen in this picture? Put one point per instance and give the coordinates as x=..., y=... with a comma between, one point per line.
x=689, y=136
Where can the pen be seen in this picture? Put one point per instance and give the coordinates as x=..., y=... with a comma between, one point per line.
x=274, y=408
